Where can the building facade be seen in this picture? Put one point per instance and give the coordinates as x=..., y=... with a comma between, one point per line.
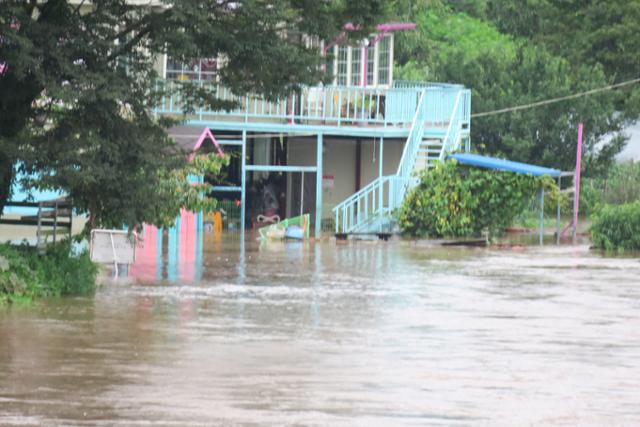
x=346, y=153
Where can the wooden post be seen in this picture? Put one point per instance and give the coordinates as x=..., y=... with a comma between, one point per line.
x=70, y=207
x=55, y=221
x=39, y=230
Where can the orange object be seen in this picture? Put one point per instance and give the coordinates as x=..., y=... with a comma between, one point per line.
x=217, y=222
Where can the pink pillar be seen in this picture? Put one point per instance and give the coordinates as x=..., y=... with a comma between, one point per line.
x=576, y=195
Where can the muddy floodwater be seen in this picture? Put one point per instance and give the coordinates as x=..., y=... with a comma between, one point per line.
x=357, y=334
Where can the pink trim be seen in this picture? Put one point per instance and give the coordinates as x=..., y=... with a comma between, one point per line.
x=391, y=26
x=382, y=29
x=206, y=133
x=396, y=26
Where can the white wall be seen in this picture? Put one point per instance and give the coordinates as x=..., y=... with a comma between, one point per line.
x=370, y=158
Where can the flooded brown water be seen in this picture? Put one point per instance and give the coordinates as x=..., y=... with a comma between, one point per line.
x=361, y=334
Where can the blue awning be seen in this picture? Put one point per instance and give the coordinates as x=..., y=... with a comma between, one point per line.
x=503, y=165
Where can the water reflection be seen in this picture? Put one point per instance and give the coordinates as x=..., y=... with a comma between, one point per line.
x=172, y=254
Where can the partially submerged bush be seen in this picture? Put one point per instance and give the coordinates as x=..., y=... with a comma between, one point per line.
x=457, y=201
x=25, y=274
x=617, y=227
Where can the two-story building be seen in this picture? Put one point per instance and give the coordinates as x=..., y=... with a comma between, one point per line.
x=345, y=152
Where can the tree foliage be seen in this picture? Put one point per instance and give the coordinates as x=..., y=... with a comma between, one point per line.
x=603, y=34
x=457, y=201
x=505, y=71
x=79, y=83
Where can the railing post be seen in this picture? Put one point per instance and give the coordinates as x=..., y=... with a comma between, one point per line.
x=243, y=197
x=339, y=106
x=318, y=185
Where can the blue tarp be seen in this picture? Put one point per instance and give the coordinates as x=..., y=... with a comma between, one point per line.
x=503, y=165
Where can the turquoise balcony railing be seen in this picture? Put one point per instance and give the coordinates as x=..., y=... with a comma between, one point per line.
x=330, y=105
x=319, y=105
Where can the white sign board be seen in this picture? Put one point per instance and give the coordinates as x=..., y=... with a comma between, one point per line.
x=112, y=246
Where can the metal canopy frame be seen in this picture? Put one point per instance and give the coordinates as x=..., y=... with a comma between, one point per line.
x=519, y=168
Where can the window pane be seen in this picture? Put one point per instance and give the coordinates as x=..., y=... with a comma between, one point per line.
x=371, y=59
x=195, y=69
x=355, y=65
x=342, y=66
x=383, y=60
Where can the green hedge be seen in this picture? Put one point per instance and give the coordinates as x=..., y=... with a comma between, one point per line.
x=617, y=227
x=456, y=201
x=25, y=274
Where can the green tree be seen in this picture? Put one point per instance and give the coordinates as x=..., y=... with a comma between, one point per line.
x=583, y=32
x=77, y=91
x=503, y=71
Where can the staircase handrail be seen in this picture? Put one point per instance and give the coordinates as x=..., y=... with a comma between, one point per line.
x=454, y=126
x=411, y=146
x=362, y=208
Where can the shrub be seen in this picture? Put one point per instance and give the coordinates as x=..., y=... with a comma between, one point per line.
x=456, y=201
x=26, y=274
x=617, y=227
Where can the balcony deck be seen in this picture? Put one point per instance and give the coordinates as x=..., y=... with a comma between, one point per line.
x=331, y=110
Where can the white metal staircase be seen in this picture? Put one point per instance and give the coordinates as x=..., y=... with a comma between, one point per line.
x=440, y=124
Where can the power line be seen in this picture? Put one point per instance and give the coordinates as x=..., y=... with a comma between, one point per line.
x=554, y=100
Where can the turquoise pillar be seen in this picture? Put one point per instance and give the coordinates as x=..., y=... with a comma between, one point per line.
x=243, y=188
x=380, y=172
x=318, y=185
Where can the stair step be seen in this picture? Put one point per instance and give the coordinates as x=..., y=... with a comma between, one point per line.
x=429, y=150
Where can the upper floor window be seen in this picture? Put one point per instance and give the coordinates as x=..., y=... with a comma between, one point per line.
x=196, y=69
x=384, y=53
x=356, y=63
x=343, y=69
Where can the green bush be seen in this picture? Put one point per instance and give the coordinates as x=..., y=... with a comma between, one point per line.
x=25, y=274
x=457, y=201
x=617, y=227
